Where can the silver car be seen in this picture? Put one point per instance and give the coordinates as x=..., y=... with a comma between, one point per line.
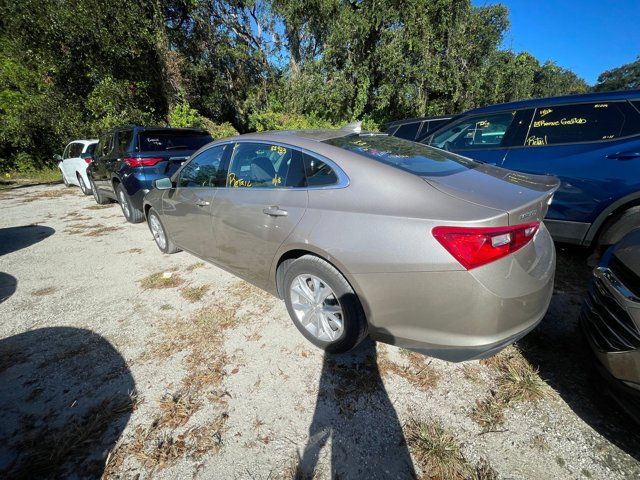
x=366, y=234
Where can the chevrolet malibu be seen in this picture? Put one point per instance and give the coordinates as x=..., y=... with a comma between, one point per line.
x=366, y=234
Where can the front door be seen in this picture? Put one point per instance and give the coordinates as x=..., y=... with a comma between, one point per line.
x=187, y=207
x=258, y=209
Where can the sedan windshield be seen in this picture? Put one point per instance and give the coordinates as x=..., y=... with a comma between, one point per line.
x=410, y=156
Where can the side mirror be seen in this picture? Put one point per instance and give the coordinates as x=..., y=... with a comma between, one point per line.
x=163, y=183
x=57, y=158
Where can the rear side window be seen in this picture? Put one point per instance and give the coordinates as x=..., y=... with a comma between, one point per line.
x=261, y=165
x=91, y=148
x=160, y=141
x=410, y=156
x=480, y=131
x=585, y=122
x=204, y=169
x=408, y=131
x=318, y=173
x=124, y=140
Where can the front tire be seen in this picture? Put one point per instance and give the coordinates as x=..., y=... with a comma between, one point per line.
x=159, y=233
x=97, y=196
x=131, y=213
x=322, y=304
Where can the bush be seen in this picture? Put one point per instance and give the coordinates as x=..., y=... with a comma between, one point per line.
x=183, y=116
x=269, y=120
x=219, y=130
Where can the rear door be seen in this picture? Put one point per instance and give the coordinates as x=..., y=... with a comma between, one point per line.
x=578, y=144
x=187, y=207
x=484, y=137
x=74, y=163
x=264, y=199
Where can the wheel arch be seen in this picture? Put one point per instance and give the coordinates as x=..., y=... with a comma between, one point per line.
x=607, y=217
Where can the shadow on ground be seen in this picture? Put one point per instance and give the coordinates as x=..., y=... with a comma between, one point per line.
x=565, y=361
x=353, y=412
x=17, y=238
x=8, y=286
x=66, y=395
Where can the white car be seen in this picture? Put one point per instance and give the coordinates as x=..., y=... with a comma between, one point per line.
x=74, y=162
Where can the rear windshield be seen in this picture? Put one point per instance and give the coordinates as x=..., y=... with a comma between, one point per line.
x=410, y=156
x=162, y=141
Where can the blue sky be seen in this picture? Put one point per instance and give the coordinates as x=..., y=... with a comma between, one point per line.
x=586, y=36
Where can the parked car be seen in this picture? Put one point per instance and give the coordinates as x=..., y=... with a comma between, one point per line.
x=591, y=142
x=129, y=158
x=74, y=161
x=367, y=233
x=610, y=318
x=416, y=129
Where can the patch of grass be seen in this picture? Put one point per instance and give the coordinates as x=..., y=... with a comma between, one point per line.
x=472, y=372
x=483, y=471
x=49, y=194
x=292, y=471
x=157, y=280
x=435, y=450
x=539, y=443
x=177, y=409
x=99, y=232
x=45, y=175
x=517, y=381
x=166, y=307
x=48, y=449
x=194, y=294
x=194, y=266
x=89, y=230
x=99, y=207
x=417, y=369
x=42, y=292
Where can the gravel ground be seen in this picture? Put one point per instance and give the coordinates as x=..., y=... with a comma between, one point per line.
x=118, y=361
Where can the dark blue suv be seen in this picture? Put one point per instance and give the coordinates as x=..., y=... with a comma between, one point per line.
x=591, y=142
x=128, y=159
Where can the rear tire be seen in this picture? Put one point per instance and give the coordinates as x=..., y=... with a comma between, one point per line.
x=159, y=233
x=131, y=213
x=333, y=321
x=97, y=196
x=83, y=186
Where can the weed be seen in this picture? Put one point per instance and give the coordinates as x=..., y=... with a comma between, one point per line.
x=41, y=292
x=417, y=370
x=161, y=280
x=99, y=207
x=194, y=294
x=194, y=266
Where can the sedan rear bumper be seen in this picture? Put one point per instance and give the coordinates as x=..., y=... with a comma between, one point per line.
x=462, y=315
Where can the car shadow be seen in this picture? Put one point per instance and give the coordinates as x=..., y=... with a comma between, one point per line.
x=66, y=395
x=566, y=362
x=8, y=286
x=354, y=414
x=17, y=238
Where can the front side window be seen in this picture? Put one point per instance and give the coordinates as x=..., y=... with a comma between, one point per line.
x=65, y=154
x=204, y=169
x=480, y=131
x=262, y=165
x=104, y=147
x=585, y=122
x=408, y=131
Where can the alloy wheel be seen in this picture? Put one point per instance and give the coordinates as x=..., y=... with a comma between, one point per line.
x=316, y=307
x=157, y=231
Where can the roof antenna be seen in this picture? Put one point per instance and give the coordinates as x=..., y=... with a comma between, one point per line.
x=353, y=127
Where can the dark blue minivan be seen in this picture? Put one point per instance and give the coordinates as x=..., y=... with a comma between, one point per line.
x=129, y=158
x=591, y=142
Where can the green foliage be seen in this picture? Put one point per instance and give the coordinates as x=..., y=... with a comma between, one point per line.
x=219, y=130
x=270, y=120
x=622, y=78
x=182, y=115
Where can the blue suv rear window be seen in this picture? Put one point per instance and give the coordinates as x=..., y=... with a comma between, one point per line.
x=157, y=141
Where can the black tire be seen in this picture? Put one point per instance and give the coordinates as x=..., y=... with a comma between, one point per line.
x=131, y=213
x=97, y=196
x=354, y=321
x=86, y=190
x=169, y=246
x=64, y=179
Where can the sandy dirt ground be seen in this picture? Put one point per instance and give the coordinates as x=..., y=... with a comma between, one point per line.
x=118, y=361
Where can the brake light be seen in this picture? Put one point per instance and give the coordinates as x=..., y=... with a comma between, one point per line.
x=88, y=160
x=142, y=162
x=476, y=246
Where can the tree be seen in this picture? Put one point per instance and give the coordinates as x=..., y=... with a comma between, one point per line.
x=624, y=77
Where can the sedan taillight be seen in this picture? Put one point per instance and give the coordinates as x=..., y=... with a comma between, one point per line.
x=476, y=246
x=142, y=162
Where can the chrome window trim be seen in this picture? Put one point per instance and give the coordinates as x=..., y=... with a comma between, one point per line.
x=343, y=179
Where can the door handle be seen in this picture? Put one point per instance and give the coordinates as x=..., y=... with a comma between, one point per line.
x=623, y=155
x=275, y=211
x=203, y=203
